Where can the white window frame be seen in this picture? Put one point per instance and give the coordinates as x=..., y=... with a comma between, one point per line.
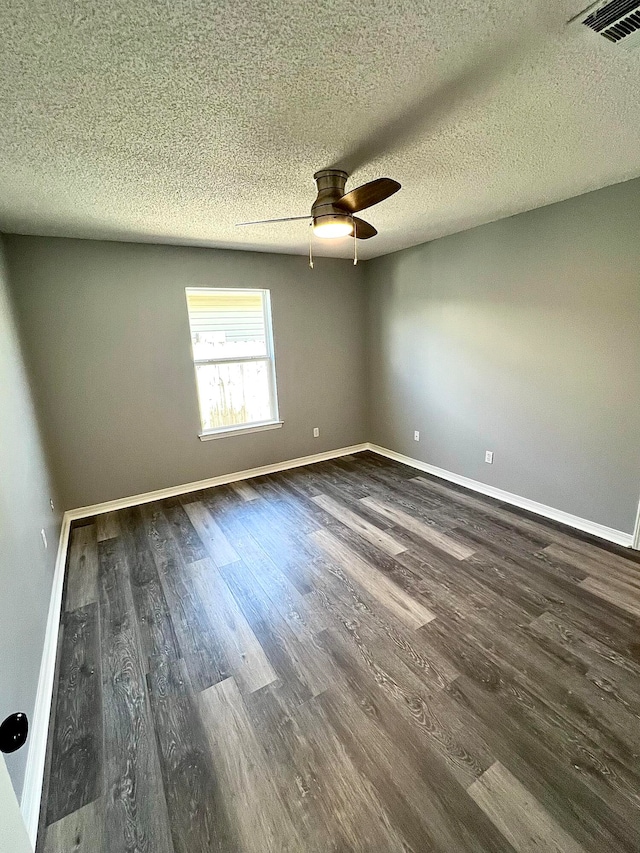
x=253, y=426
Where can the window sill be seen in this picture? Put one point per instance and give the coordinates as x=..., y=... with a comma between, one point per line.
x=240, y=430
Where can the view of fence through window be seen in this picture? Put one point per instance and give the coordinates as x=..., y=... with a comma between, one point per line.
x=233, y=357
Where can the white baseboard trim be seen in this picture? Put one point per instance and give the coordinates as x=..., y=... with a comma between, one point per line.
x=36, y=757
x=636, y=531
x=172, y=491
x=600, y=530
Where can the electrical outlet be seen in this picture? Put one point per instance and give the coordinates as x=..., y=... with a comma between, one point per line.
x=51, y=504
x=44, y=538
x=316, y=432
x=416, y=435
x=488, y=456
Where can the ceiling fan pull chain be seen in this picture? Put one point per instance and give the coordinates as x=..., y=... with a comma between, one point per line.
x=310, y=244
x=355, y=243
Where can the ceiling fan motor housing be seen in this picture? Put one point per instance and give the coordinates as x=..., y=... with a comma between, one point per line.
x=333, y=211
x=330, y=184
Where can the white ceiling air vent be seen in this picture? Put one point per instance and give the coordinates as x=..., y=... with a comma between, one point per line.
x=616, y=20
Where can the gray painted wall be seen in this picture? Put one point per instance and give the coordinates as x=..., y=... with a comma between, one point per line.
x=521, y=337
x=26, y=569
x=105, y=325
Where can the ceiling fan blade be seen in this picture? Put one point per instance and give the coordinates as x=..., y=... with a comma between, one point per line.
x=367, y=195
x=363, y=229
x=267, y=221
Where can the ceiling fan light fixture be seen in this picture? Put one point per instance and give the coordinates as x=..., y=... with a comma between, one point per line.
x=333, y=225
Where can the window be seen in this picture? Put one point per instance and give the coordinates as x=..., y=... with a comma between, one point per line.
x=233, y=357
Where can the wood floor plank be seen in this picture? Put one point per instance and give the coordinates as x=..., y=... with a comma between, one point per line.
x=108, y=525
x=484, y=507
x=198, y=644
x=615, y=580
x=212, y=537
x=368, y=721
x=82, y=571
x=460, y=590
x=304, y=783
x=280, y=502
x=302, y=613
x=509, y=582
x=386, y=482
x=429, y=717
x=302, y=666
x=135, y=811
x=247, y=659
x=427, y=805
x=627, y=585
x=259, y=815
x=388, y=593
x=560, y=586
x=596, y=817
x=154, y=620
x=424, y=531
x=596, y=561
x=509, y=543
x=588, y=648
x=400, y=569
x=78, y=832
x=197, y=813
x=491, y=513
x=245, y=490
x=346, y=603
x=578, y=649
x=472, y=515
x=183, y=532
x=518, y=815
x=621, y=595
x=361, y=820
x=332, y=482
x=589, y=728
x=334, y=803
x=300, y=610
x=379, y=538
x=77, y=759
x=278, y=533
x=403, y=492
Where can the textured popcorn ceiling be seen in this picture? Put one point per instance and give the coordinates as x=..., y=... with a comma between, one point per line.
x=171, y=121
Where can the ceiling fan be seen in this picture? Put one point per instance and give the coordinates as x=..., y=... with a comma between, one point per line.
x=332, y=213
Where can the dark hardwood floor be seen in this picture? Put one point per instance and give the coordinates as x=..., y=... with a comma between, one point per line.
x=344, y=657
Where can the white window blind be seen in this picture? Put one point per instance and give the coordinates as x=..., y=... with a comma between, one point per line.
x=231, y=338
